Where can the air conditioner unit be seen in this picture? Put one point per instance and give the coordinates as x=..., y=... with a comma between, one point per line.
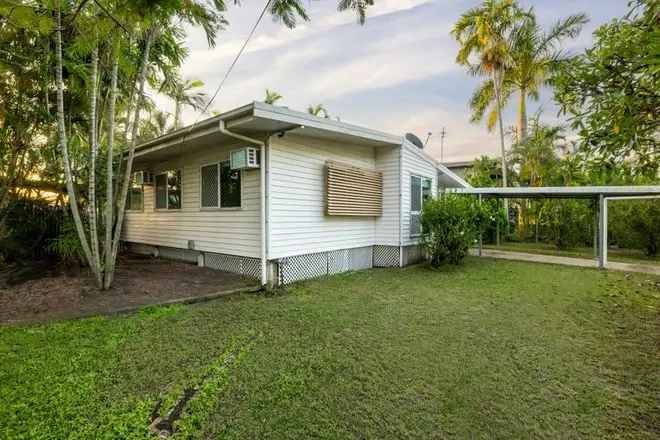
x=245, y=158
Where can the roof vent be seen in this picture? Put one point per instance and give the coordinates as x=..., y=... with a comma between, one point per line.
x=415, y=140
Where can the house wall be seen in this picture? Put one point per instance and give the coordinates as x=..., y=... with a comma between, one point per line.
x=297, y=221
x=414, y=162
x=387, y=225
x=233, y=231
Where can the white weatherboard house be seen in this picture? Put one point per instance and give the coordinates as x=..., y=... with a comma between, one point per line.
x=281, y=195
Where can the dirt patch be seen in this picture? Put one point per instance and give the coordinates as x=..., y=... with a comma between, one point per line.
x=139, y=281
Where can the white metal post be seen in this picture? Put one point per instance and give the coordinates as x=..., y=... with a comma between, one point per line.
x=596, y=219
x=602, y=231
x=481, y=234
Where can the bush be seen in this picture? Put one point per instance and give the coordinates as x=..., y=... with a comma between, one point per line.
x=635, y=224
x=450, y=225
x=66, y=246
x=29, y=225
x=568, y=222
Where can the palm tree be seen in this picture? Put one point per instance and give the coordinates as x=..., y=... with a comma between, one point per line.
x=318, y=110
x=154, y=126
x=272, y=97
x=484, y=32
x=534, y=57
x=184, y=94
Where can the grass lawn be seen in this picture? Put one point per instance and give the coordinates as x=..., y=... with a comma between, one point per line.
x=492, y=349
x=622, y=255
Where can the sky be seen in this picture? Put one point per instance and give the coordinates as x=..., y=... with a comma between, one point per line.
x=396, y=73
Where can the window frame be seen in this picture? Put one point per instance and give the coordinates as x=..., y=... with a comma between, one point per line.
x=131, y=185
x=219, y=163
x=167, y=191
x=421, y=202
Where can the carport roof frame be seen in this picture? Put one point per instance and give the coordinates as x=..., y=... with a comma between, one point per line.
x=566, y=192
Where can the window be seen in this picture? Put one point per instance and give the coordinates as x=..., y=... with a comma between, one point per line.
x=168, y=190
x=220, y=186
x=135, y=197
x=420, y=192
x=230, y=186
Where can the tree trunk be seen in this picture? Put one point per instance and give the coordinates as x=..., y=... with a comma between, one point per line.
x=93, y=142
x=109, y=203
x=73, y=203
x=177, y=114
x=109, y=276
x=498, y=101
x=522, y=115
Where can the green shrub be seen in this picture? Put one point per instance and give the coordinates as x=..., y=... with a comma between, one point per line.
x=635, y=224
x=29, y=225
x=568, y=222
x=450, y=225
x=66, y=246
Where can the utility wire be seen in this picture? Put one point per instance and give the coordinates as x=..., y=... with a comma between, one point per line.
x=231, y=67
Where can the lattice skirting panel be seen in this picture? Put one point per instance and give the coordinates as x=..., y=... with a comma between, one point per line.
x=303, y=267
x=413, y=254
x=247, y=266
x=386, y=256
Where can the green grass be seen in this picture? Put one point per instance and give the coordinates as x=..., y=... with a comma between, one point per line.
x=491, y=349
x=622, y=255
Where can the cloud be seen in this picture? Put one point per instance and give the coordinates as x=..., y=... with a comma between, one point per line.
x=395, y=73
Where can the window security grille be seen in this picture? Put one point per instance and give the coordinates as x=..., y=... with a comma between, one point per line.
x=210, y=186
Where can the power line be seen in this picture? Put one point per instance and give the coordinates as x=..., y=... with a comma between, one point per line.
x=231, y=67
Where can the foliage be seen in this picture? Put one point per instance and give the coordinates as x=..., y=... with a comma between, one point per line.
x=533, y=56
x=66, y=246
x=535, y=157
x=318, y=110
x=450, y=226
x=611, y=92
x=484, y=32
x=485, y=172
x=184, y=94
x=29, y=225
x=272, y=97
x=636, y=224
x=339, y=355
x=568, y=222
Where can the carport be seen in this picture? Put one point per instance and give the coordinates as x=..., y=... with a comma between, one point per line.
x=599, y=194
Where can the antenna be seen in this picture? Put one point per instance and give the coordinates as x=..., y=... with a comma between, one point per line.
x=443, y=133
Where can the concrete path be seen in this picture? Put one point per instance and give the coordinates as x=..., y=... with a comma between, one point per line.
x=568, y=261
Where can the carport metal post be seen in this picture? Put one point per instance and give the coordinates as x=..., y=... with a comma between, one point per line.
x=481, y=234
x=602, y=232
x=596, y=215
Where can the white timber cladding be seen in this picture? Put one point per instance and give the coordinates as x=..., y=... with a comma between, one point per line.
x=413, y=163
x=387, y=225
x=352, y=190
x=232, y=231
x=298, y=221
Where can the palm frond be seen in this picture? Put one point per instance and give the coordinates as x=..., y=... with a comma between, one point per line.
x=288, y=12
x=359, y=6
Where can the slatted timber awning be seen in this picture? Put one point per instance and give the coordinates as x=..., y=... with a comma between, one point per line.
x=353, y=191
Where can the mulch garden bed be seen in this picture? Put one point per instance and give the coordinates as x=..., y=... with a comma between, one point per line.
x=46, y=292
